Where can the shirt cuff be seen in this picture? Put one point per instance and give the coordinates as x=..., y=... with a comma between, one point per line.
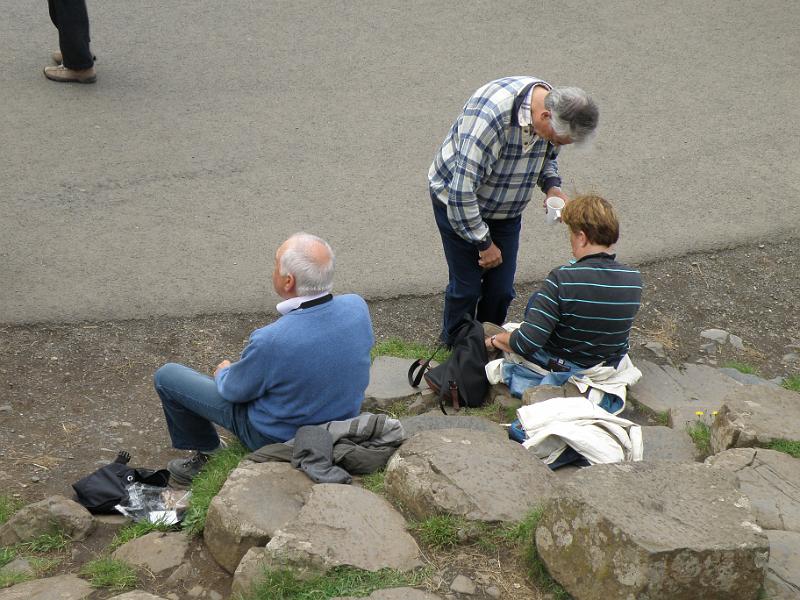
x=484, y=243
x=550, y=182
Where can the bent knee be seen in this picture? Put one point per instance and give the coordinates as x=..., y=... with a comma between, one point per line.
x=166, y=373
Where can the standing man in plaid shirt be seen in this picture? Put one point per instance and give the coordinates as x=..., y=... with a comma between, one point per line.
x=505, y=142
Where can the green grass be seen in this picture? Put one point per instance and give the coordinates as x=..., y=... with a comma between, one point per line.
x=207, y=484
x=742, y=367
x=411, y=350
x=700, y=432
x=7, y=555
x=786, y=446
x=136, y=530
x=341, y=581
x=493, y=411
x=792, y=383
x=441, y=531
x=110, y=573
x=8, y=506
x=47, y=542
x=521, y=537
x=9, y=579
x=374, y=482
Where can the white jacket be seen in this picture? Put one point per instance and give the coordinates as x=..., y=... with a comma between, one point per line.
x=597, y=380
x=578, y=422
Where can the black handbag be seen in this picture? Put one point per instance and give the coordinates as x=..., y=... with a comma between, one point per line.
x=461, y=379
x=102, y=490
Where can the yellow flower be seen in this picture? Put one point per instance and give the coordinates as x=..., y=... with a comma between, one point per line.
x=714, y=413
x=699, y=413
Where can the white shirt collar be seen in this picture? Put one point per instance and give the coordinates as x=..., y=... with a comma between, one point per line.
x=291, y=304
x=524, y=115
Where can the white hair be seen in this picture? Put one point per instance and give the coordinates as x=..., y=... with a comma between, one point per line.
x=574, y=113
x=312, y=276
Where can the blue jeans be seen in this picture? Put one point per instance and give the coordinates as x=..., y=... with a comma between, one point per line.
x=192, y=405
x=472, y=290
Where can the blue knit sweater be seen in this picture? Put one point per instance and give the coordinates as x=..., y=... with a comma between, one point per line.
x=310, y=366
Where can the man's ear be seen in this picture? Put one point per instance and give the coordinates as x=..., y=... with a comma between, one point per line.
x=289, y=283
x=583, y=239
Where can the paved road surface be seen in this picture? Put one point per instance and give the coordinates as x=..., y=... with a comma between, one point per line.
x=217, y=128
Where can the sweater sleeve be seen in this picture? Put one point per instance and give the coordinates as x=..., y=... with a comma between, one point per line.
x=246, y=379
x=549, y=176
x=541, y=318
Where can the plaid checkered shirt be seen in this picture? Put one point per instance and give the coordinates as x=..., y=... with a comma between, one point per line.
x=486, y=167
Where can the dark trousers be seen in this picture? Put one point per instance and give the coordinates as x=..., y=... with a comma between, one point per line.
x=471, y=290
x=72, y=21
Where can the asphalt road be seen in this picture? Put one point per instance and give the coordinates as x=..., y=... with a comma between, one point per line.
x=218, y=128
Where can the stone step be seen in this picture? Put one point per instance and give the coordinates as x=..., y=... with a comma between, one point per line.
x=681, y=392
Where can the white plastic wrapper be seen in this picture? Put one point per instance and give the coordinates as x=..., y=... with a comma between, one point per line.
x=154, y=504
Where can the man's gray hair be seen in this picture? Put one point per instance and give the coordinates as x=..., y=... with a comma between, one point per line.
x=574, y=113
x=301, y=258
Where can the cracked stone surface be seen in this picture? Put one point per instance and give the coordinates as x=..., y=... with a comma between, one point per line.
x=473, y=474
x=756, y=415
x=63, y=587
x=783, y=571
x=344, y=525
x=681, y=391
x=652, y=531
x=771, y=480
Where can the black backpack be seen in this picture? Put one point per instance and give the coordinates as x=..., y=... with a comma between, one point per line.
x=461, y=379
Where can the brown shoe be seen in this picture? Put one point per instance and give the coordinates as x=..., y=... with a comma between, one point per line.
x=63, y=74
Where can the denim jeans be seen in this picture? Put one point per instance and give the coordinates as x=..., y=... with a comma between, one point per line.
x=192, y=405
x=484, y=294
x=72, y=21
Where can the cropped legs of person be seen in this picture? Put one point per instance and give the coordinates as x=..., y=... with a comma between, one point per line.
x=71, y=19
x=471, y=290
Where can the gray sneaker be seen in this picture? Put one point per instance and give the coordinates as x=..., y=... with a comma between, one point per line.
x=183, y=470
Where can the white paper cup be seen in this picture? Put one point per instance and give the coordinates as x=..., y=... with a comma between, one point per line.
x=554, y=207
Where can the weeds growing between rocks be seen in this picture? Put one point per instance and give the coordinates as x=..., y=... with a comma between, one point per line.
x=792, y=383
x=342, y=581
x=137, y=530
x=787, y=446
x=700, y=432
x=115, y=575
x=208, y=483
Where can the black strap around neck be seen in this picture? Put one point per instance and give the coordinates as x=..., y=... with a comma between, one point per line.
x=316, y=301
x=518, y=102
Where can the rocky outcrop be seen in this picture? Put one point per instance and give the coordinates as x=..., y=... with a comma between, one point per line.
x=256, y=500
x=756, y=415
x=63, y=587
x=345, y=526
x=783, y=571
x=651, y=531
x=157, y=552
x=473, y=474
x=771, y=480
x=51, y=515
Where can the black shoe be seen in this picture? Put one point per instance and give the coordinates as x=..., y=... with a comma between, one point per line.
x=183, y=470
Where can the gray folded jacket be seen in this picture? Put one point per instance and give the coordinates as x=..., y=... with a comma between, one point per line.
x=330, y=452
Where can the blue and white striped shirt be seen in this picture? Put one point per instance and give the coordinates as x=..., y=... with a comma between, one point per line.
x=486, y=168
x=582, y=313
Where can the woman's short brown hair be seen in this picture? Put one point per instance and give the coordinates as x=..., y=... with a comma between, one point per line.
x=594, y=216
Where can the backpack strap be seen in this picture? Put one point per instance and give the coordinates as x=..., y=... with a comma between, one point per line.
x=453, y=394
x=417, y=369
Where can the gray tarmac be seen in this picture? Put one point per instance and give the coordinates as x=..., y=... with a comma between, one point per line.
x=216, y=129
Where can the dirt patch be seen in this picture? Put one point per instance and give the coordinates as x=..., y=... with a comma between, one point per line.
x=72, y=395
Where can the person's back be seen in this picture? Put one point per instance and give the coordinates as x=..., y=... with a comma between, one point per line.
x=598, y=299
x=317, y=367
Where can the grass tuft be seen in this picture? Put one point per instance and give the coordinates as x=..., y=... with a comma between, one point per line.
x=9, y=579
x=792, y=383
x=208, y=483
x=411, y=350
x=700, y=432
x=115, y=575
x=47, y=542
x=342, y=581
x=136, y=530
x=441, y=531
x=8, y=506
x=742, y=367
x=786, y=446
x=7, y=555
x=374, y=482
x=521, y=537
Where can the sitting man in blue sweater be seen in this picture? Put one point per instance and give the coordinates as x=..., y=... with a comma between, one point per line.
x=309, y=367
